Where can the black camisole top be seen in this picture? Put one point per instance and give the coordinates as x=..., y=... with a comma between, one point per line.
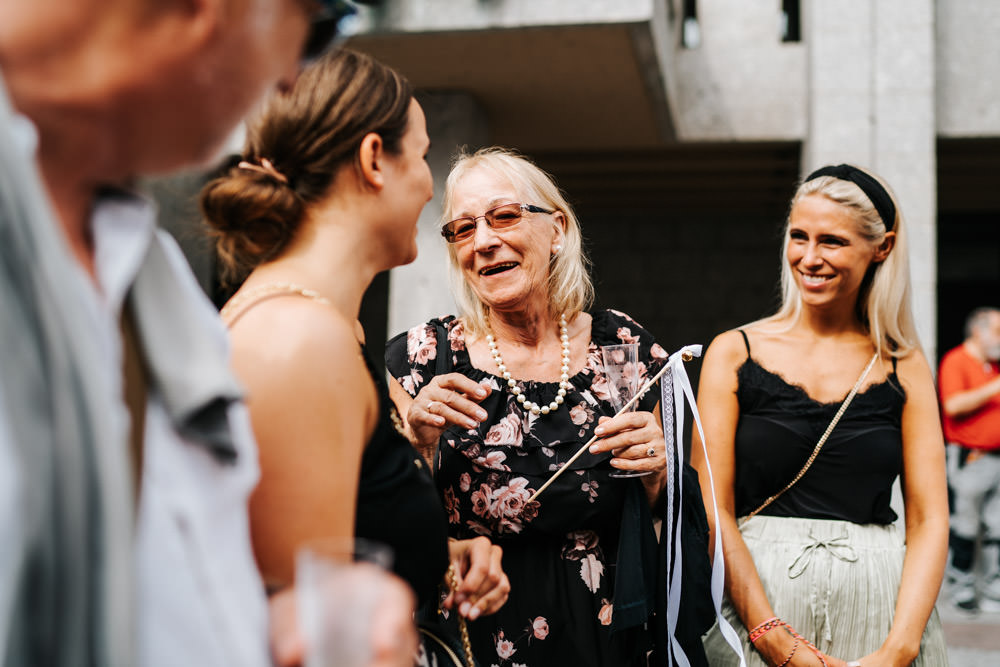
x=398, y=504
x=779, y=426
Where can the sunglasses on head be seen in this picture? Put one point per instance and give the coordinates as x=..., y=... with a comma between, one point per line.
x=498, y=217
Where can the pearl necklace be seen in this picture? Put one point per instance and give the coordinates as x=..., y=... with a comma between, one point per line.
x=564, y=383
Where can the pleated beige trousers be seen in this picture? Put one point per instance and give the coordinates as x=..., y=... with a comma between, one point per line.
x=835, y=582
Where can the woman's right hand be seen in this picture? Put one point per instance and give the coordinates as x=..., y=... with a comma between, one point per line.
x=447, y=399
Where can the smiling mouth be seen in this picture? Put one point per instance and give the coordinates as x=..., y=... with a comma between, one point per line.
x=815, y=280
x=497, y=268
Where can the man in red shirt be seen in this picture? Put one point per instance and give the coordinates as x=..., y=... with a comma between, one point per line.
x=969, y=384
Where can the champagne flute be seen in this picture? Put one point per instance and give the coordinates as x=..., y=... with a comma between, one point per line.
x=621, y=368
x=339, y=583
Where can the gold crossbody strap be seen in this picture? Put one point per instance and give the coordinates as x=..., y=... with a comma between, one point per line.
x=822, y=439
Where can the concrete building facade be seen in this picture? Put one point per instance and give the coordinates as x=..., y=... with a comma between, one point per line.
x=678, y=129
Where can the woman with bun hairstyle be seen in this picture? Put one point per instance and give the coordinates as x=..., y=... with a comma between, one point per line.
x=810, y=416
x=326, y=195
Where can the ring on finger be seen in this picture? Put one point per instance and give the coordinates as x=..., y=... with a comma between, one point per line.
x=651, y=452
x=430, y=404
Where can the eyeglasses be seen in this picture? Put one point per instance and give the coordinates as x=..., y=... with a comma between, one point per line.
x=498, y=217
x=327, y=26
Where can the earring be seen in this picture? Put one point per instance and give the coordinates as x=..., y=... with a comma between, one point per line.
x=555, y=251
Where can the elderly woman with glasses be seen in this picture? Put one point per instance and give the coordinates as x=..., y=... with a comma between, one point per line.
x=506, y=393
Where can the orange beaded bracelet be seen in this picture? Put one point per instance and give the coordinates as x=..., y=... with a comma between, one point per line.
x=764, y=628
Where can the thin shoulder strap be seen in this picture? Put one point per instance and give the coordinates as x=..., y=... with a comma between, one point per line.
x=746, y=341
x=244, y=301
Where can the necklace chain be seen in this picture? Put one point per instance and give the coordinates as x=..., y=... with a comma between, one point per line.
x=564, y=383
x=235, y=305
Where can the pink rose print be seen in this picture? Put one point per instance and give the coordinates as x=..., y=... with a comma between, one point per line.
x=456, y=336
x=540, y=628
x=590, y=488
x=600, y=386
x=579, y=414
x=657, y=352
x=506, y=432
x=509, y=505
x=505, y=648
x=451, y=505
x=478, y=528
x=421, y=345
x=508, y=526
x=591, y=571
x=492, y=460
x=530, y=511
x=625, y=335
x=465, y=482
x=409, y=382
x=604, y=615
x=481, y=500
x=583, y=542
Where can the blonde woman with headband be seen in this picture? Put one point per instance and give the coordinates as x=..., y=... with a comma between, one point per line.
x=810, y=416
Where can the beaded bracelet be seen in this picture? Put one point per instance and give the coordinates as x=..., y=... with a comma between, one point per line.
x=764, y=628
x=795, y=647
x=809, y=644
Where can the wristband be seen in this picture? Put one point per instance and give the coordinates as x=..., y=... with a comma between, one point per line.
x=764, y=628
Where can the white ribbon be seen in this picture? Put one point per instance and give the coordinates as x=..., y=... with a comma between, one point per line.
x=681, y=386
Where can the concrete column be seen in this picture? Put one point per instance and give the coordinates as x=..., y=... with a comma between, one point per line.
x=871, y=102
x=420, y=291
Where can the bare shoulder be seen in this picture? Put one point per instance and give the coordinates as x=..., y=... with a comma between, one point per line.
x=294, y=342
x=914, y=372
x=295, y=325
x=727, y=349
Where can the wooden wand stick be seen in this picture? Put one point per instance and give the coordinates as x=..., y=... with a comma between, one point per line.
x=685, y=356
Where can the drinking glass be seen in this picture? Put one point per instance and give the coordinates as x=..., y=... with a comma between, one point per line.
x=621, y=368
x=339, y=582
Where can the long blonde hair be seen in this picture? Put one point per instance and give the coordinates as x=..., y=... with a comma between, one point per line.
x=884, y=300
x=570, y=290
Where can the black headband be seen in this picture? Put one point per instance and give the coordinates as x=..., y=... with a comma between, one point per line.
x=880, y=199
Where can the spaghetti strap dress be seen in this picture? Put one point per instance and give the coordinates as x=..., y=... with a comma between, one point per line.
x=827, y=551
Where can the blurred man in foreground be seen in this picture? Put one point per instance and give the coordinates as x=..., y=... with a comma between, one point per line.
x=126, y=458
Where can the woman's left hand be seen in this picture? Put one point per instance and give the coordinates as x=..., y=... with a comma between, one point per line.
x=482, y=584
x=636, y=443
x=634, y=440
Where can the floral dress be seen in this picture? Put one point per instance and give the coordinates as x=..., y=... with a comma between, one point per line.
x=560, y=552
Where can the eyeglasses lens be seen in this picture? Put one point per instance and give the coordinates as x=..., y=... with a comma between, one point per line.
x=500, y=217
